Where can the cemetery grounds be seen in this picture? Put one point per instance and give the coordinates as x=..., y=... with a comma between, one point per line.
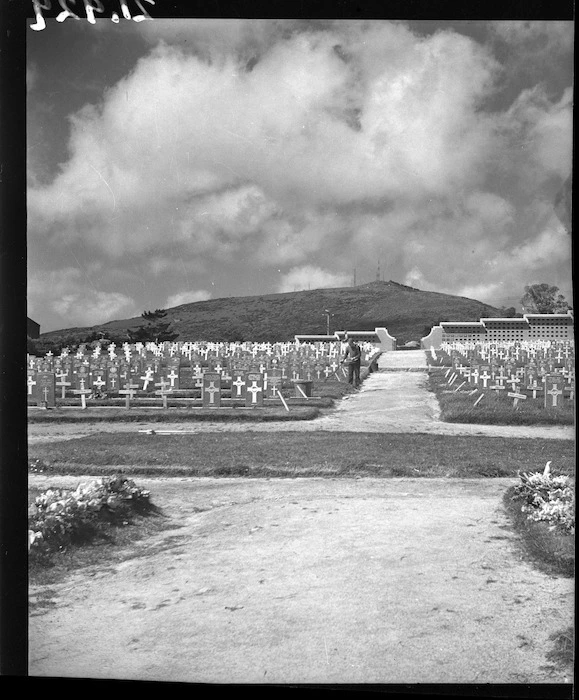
x=307, y=550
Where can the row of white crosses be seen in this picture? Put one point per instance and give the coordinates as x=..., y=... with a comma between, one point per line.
x=288, y=351
x=206, y=349
x=485, y=376
x=530, y=346
x=212, y=389
x=290, y=356
x=514, y=381
x=326, y=353
x=562, y=353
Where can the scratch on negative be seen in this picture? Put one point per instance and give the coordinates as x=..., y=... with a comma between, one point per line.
x=107, y=184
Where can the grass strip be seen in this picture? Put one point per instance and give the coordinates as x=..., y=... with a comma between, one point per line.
x=157, y=415
x=297, y=454
x=495, y=408
x=551, y=551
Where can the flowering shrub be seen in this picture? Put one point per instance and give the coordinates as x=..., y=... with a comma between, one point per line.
x=60, y=517
x=37, y=465
x=547, y=498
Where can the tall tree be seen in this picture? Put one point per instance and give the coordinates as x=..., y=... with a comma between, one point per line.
x=155, y=330
x=543, y=299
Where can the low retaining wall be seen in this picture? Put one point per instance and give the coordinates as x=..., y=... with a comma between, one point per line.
x=379, y=337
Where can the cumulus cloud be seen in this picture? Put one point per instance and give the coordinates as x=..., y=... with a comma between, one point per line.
x=81, y=308
x=186, y=297
x=311, y=277
x=213, y=38
x=535, y=37
x=323, y=147
x=70, y=294
x=180, y=136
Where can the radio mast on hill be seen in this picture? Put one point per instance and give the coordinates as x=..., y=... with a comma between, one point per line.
x=378, y=272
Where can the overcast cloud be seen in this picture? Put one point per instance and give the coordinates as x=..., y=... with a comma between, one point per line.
x=237, y=158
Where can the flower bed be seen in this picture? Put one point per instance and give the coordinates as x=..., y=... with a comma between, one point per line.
x=547, y=498
x=61, y=517
x=542, y=510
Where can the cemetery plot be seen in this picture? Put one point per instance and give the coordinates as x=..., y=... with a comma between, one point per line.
x=209, y=375
x=515, y=383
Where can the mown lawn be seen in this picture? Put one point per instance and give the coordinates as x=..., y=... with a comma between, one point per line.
x=296, y=454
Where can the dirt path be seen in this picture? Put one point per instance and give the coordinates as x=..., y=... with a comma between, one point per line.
x=392, y=400
x=312, y=581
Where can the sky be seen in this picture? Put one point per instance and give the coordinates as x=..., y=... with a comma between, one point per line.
x=173, y=161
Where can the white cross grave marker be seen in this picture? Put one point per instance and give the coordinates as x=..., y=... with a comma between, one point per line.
x=163, y=391
x=238, y=383
x=147, y=379
x=485, y=376
x=172, y=376
x=211, y=390
x=129, y=391
x=62, y=383
x=517, y=397
x=534, y=387
x=83, y=394
x=554, y=391
x=99, y=382
x=30, y=382
x=255, y=391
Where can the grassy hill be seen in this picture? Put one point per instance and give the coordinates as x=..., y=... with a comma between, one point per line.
x=406, y=312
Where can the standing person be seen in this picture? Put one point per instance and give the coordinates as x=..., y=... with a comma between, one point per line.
x=353, y=358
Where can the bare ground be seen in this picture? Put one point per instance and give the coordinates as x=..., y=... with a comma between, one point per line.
x=311, y=581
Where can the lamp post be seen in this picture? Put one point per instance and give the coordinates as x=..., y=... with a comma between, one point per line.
x=328, y=314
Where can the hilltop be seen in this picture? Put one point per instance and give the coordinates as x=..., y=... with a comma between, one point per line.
x=406, y=312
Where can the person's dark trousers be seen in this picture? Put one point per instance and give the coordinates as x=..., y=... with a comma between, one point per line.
x=354, y=374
